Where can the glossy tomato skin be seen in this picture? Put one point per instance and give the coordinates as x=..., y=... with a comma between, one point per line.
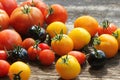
x=9, y=7
x=46, y=57
x=9, y=38
x=3, y=55
x=4, y=20
x=43, y=46
x=57, y=13
x=39, y=4
x=4, y=68
x=22, y=18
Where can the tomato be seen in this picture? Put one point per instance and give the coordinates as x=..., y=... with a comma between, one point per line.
x=9, y=7
x=3, y=55
x=4, y=20
x=43, y=46
x=39, y=4
x=57, y=12
x=107, y=43
x=9, y=39
x=4, y=68
x=19, y=71
x=46, y=57
x=55, y=28
x=1, y=6
x=87, y=22
x=106, y=28
x=80, y=37
x=68, y=67
x=81, y=57
x=22, y=18
x=27, y=42
x=61, y=44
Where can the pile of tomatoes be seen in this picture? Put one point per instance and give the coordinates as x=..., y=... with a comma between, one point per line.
x=34, y=31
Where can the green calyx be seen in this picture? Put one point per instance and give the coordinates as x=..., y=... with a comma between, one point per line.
x=65, y=59
x=26, y=9
x=96, y=41
x=17, y=76
x=97, y=55
x=105, y=23
x=116, y=34
x=58, y=36
x=36, y=44
x=50, y=11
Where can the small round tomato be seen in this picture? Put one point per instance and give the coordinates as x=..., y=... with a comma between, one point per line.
x=4, y=68
x=81, y=57
x=68, y=67
x=4, y=20
x=3, y=55
x=106, y=28
x=46, y=57
x=9, y=7
x=43, y=46
x=9, y=39
x=19, y=71
x=57, y=12
x=27, y=42
x=22, y=18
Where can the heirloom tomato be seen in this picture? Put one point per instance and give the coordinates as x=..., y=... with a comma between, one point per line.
x=9, y=5
x=19, y=71
x=68, y=67
x=87, y=22
x=4, y=68
x=22, y=18
x=107, y=43
x=3, y=55
x=56, y=12
x=9, y=39
x=4, y=20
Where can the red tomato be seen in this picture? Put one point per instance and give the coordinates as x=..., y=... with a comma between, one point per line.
x=33, y=52
x=46, y=57
x=9, y=39
x=4, y=68
x=43, y=46
x=9, y=5
x=57, y=13
x=4, y=20
x=1, y=6
x=3, y=55
x=81, y=57
x=22, y=18
x=106, y=28
x=39, y=4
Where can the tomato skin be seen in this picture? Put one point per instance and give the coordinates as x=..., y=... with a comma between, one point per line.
x=81, y=57
x=3, y=55
x=59, y=14
x=43, y=46
x=46, y=57
x=9, y=38
x=22, y=21
x=4, y=68
x=4, y=20
x=9, y=7
x=1, y=6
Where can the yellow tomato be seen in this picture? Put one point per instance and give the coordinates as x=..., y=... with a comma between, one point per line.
x=55, y=28
x=87, y=22
x=68, y=67
x=19, y=71
x=108, y=44
x=80, y=37
x=61, y=44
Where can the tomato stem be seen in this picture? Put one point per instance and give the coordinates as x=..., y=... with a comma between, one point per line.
x=58, y=36
x=96, y=41
x=26, y=9
x=116, y=35
x=105, y=23
x=65, y=60
x=50, y=11
x=17, y=76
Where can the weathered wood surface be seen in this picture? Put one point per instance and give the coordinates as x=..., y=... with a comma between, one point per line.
x=100, y=9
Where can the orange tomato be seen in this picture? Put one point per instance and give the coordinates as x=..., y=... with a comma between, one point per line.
x=80, y=37
x=68, y=67
x=87, y=22
x=108, y=44
x=61, y=44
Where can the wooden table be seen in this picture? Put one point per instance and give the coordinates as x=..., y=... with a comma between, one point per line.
x=100, y=9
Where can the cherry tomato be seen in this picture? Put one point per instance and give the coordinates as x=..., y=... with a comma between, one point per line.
x=43, y=46
x=81, y=57
x=46, y=57
x=9, y=7
x=4, y=68
x=106, y=28
x=57, y=12
x=3, y=55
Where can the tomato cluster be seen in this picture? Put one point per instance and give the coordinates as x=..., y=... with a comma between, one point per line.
x=33, y=32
